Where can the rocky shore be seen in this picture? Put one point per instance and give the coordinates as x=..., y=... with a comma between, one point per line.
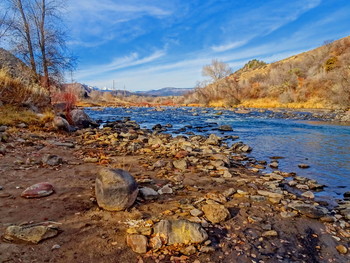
x=197, y=200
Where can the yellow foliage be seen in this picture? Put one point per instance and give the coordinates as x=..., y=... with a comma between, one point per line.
x=274, y=103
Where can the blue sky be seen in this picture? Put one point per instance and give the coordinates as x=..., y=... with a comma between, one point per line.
x=151, y=44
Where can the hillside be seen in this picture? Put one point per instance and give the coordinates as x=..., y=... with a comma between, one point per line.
x=319, y=78
x=18, y=85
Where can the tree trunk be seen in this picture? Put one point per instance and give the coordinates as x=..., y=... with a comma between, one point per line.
x=19, y=5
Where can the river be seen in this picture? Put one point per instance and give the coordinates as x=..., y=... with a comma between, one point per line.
x=322, y=145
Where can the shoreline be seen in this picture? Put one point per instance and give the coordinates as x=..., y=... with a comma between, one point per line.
x=266, y=221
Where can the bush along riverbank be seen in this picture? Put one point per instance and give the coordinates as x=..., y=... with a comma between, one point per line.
x=129, y=194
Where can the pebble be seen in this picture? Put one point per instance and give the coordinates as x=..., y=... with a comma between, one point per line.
x=342, y=249
x=56, y=246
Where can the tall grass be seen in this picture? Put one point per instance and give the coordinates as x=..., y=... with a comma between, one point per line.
x=14, y=91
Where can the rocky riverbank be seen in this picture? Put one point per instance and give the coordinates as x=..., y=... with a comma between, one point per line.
x=199, y=201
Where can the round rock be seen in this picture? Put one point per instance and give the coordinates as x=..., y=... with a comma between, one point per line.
x=115, y=189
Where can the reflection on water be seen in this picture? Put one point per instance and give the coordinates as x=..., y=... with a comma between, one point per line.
x=326, y=148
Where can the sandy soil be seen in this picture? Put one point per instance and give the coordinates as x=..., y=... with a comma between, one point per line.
x=90, y=234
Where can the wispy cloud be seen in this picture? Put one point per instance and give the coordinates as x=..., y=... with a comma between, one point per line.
x=229, y=46
x=120, y=63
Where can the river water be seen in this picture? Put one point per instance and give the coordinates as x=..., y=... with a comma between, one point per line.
x=324, y=146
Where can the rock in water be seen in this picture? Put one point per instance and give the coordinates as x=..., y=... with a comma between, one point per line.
x=81, y=119
x=216, y=213
x=115, y=189
x=30, y=234
x=38, y=190
x=180, y=232
x=225, y=128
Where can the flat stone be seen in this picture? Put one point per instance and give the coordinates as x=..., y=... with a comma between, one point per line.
x=52, y=160
x=148, y=193
x=270, y=233
x=308, y=194
x=180, y=232
x=303, y=166
x=138, y=243
x=166, y=189
x=115, y=189
x=270, y=194
x=196, y=212
x=216, y=213
x=38, y=190
x=225, y=128
x=29, y=234
x=308, y=210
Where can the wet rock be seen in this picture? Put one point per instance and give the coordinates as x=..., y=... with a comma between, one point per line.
x=342, y=249
x=216, y=213
x=347, y=194
x=30, y=234
x=225, y=128
x=213, y=140
x=81, y=119
x=115, y=189
x=38, y=190
x=180, y=232
x=138, y=243
x=148, y=193
x=303, y=166
x=312, y=211
x=52, y=160
x=274, y=165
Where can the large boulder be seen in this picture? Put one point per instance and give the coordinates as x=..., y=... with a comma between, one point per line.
x=115, y=189
x=180, y=232
x=81, y=119
x=61, y=123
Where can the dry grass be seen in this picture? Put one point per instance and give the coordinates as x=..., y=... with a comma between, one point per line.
x=13, y=91
x=274, y=103
x=12, y=115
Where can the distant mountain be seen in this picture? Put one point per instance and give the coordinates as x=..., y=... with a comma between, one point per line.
x=169, y=91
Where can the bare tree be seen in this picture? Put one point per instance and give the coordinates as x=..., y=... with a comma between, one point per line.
x=54, y=56
x=5, y=22
x=23, y=31
x=39, y=37
x=216, y=70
